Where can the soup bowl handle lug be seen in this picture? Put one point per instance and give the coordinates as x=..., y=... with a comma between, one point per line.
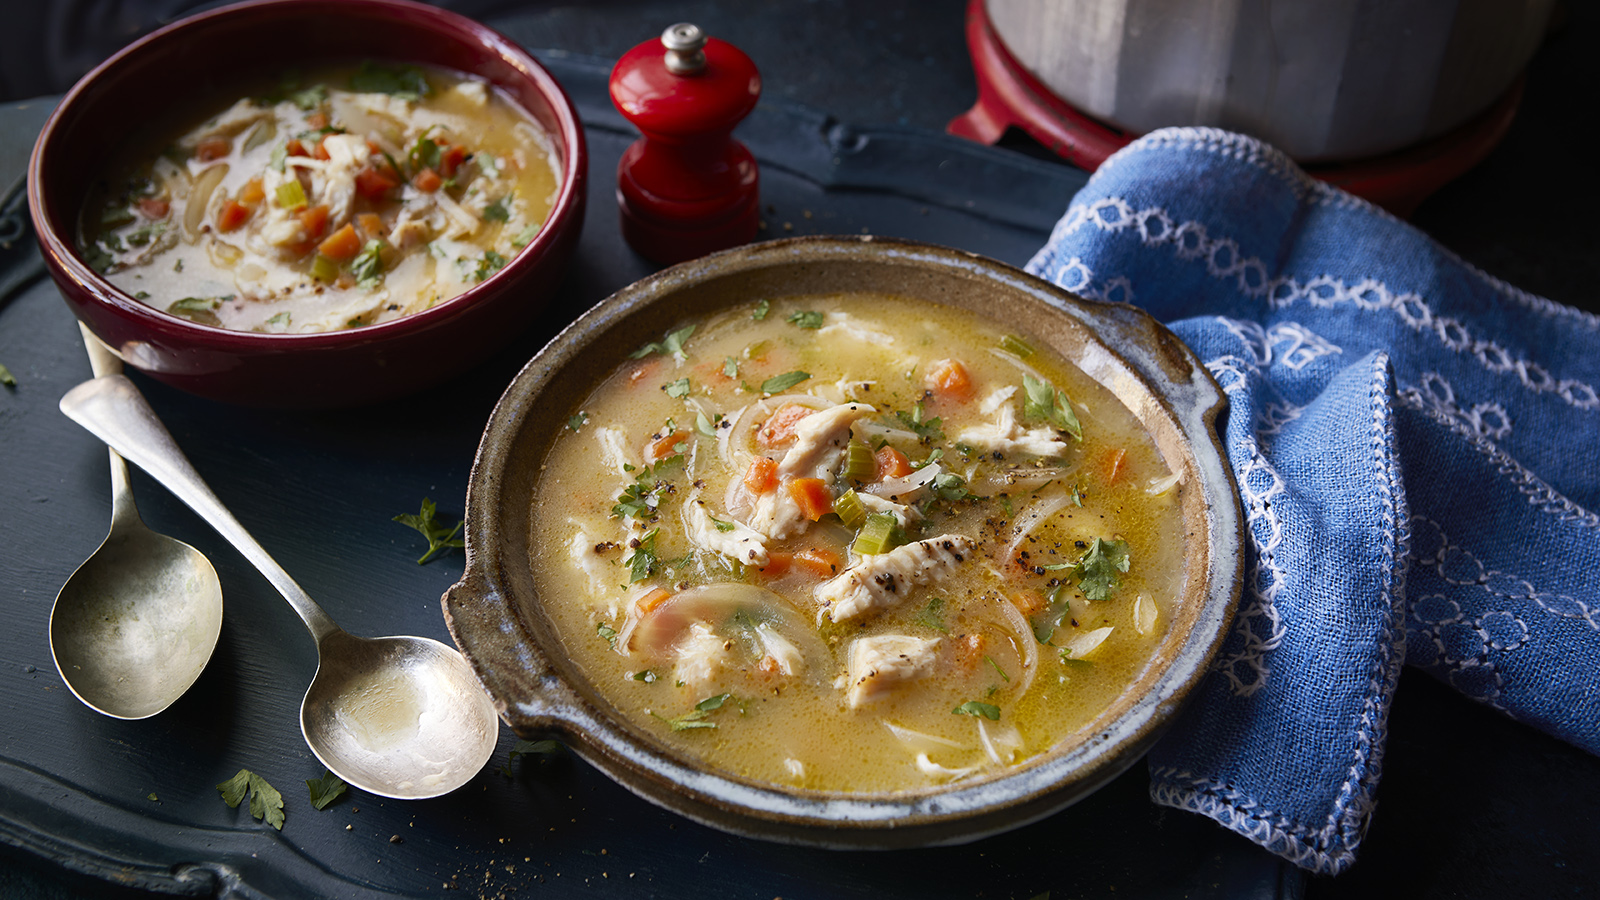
x=1159, y=355
x=480, y=621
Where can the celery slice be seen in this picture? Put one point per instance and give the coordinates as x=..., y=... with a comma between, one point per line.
x=324, y=269
x=852, y=512
x=859, y=464
x=1016, y=346
x=291, y=195
x=877, y=536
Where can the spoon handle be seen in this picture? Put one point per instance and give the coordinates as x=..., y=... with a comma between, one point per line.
x=114, y=411
x=105, y=362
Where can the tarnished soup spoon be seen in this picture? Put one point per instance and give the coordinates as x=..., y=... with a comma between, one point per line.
x=134, y=626
x=401, y=717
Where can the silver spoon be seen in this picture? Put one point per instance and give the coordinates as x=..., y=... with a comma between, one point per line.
x=134, y=626
x=400, y=717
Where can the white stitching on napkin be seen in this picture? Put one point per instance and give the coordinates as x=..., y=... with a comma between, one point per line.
x=1190, y=240
x=1275, y=162
x=1540, y=494
x=1435, y=392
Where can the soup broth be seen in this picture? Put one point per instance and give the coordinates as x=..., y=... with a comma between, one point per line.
x=856, y=543
x=349, y=197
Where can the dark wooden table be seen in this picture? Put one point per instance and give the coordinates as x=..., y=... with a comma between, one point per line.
x=1471, y=804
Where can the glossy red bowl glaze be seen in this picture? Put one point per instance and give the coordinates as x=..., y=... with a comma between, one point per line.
x=339, y=368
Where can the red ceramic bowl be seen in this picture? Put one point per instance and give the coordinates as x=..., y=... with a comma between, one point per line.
x=329, y=369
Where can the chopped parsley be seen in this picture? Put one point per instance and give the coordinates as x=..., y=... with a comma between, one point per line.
x=325, y=790
x=577, y=420
x=607, y=632
x=525, y=236
x=763, y=306
x=808, y=319
x=368, y=265
x=974, y=708
x=705, y=426
x=672, y=343
x=1049, y=403
x=927, y=430
x=641, y=498
x=490, y=263
x=309, y=99
x=698, y=717
x=643, y=675
x=439, y=537
x=6, y=378
x=266, y=803
x=779, y=383
x=677, y=390
x=990, y=661
x=730, y=367
x=722, y=526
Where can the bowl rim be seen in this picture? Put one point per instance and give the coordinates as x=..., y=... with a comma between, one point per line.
x=61, y=250
x=952, y=813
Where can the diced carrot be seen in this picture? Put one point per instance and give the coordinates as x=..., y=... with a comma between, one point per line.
x=812, y=496
x=778, y=563
x=819, y=562
x=319, y=151
x=779, y=428
x=154, y=207
x=762, y=476
x=295, y=148
x=314, y=220
x=892, y=463
x=251, y=193
x=949, y=378
x=212, y=148
x=651, y=600
x=661, y=448
x=317, y=121
x=232, y=215
x=426, y=181
x=1111, y=464
x=451, y=158
x=370, y=224
x=342, y=244
x=1028, y=601
x=969, y=650
x=373, y=184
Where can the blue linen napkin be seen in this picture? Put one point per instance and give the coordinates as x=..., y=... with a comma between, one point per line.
x=1417, y=446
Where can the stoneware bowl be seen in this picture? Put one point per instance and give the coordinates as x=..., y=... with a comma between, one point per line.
x=496, y=612
x=338, y=368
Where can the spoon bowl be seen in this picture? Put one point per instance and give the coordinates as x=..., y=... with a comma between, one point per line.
x=135, y=625
x=401, y=717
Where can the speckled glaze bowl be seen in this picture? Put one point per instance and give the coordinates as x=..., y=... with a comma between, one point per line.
x=338, y=368
x=496, y=612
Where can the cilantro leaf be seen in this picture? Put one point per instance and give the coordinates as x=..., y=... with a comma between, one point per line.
x=932, y=615
x=325, y=790
x=927, y=430
x=974, y=708
x=607, y=632
x=1044, y=401
x=310, y=98
x=1101, y=567
x=704, y=425
x=672, y=343
x=730, y=367
x=779, y=383
x=677, y=390
x=808, y=319
x=368, y=264
x=439, y=537
x=266, y=803
x=697, y=718
x=763, y=306
x=544, y=750
x=6, y=378
x=490, y=263
x=525, y=236
x=644, y=675
x=405, y=82
x=643, y=562
x=578, y=420
x=497, y=211
x=722, y=526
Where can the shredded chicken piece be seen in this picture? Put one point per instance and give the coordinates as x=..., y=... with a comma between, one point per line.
x=782, y=651
x=1005, y=435
x=599, y=570
x=734, y=539
x=615, y=453
x=819, y=447
x=884, y=579
x=905, y=515
x=877, y=664
x=701, y=655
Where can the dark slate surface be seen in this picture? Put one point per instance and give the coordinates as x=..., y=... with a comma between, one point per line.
x=1472, y=805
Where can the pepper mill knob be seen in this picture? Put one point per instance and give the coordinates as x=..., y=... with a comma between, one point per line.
x=686, y=187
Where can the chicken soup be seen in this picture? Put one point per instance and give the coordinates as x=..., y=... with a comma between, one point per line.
x=350, y=197
x=856, y=543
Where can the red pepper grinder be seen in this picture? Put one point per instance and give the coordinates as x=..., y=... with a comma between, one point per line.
x=686, y=188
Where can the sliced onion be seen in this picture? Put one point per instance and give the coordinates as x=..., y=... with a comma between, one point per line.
x=1030, y=519
x=1144, y=614
x=1159, y=486
x=194, y=212
x=1084, y=644
x=919, y=741
x=932, y=769
x=1007, y=738
x=904, y=488
x=655, y=634
x=1027, y=647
